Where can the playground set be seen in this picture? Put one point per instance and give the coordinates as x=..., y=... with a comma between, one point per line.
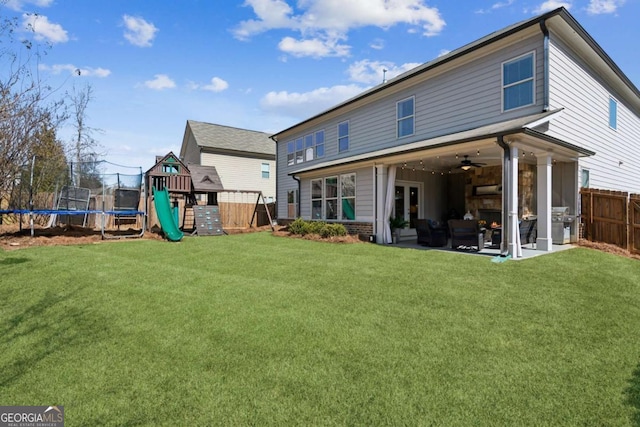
x=107, y=201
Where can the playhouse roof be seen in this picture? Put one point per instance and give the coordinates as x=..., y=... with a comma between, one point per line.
x=205, y=179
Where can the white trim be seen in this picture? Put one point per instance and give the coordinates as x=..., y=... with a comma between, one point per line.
x=533, y=79
x=413, y=116
x=348, y=136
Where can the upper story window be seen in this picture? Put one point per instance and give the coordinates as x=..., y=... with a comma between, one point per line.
x=343, y=136
x=308, y=148
x=613, y=113
x=319, y=143
x=517, y=82
x=264, y=167
x=291, y=153
x=405, y=117
x=299, y=150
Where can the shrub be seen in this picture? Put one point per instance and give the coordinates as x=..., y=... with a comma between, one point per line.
x=324, y=230
x=299, y=226
x=331, y=230
x=315, y=227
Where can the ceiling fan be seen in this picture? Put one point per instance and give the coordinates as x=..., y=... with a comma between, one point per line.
x=467, y=164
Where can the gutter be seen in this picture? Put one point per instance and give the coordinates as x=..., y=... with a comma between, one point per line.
x=275, y=140
x=297, y=196
x=545, y=32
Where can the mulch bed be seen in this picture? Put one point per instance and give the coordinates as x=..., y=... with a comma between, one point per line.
x=12, y=238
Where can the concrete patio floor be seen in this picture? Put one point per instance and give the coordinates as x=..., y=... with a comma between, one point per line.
x=528, y=251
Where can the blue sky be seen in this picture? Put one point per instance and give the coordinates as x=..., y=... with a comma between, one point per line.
x=263, y=64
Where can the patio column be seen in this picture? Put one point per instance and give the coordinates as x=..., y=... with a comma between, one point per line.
x=381, y=191
x=513, y=245
x=543, y=240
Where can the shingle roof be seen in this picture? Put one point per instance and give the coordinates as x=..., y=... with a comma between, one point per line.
x=230, y=138
x=205, y=178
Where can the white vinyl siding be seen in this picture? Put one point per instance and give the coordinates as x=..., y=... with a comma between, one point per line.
x=585, y=98
x=242, y=173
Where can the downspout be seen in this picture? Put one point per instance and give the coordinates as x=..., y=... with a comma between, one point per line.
x=274, y=139
x=506, y=172
x=298, y=196
x=545, y=81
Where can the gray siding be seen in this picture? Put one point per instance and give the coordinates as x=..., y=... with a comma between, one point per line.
x=463, y=98
x=585, y=121
x=191, y=151
x=364, y=194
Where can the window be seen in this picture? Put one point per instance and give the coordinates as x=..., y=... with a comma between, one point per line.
x=292, y=203
x=404, y=117
x=308, y=147
x=299, y=150
x=348, y=196
x=343, y=136
x=316, y=199
x=170, y=168
x=518, y=82
x=331, y=197
x=320, y=143
x=291, y=152
x=585, y=178
x=265, y=170
x=328, y=201
x=613, y=113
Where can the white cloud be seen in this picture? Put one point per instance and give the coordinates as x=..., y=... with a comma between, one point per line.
x=372, y=72
x=551, y=5
x=138, y=31
x=316, y=48
x=43, y=29
x=301, y=105
x=76, y=71
x=216, y=85
x=597, y=7
x=322, y=23
x=496, y=6
x=160, y=82
x=17, y=5
x=443, y=52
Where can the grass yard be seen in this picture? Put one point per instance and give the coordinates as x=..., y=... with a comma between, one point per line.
x=254, y=329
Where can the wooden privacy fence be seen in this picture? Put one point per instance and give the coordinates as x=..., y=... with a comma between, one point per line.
x=611, y=217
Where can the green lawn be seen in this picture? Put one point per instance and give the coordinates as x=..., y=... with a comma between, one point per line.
x=260, y=330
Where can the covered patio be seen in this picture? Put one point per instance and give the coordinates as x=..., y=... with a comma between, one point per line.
x=498, y=174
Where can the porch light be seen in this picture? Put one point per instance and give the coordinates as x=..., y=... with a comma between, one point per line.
x=465, y=167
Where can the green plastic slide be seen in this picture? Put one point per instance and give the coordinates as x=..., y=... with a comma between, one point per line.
x=165, y=216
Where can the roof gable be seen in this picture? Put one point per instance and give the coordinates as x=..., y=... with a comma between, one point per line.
x=562, y=21
x=228, y=139
x=169, y=158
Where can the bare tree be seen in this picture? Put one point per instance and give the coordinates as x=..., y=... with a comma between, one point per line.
x=84, y=146
x=26, y=105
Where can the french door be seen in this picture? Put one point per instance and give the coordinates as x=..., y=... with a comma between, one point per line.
x=407, y=204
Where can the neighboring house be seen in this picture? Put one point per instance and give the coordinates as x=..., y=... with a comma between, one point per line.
x=244, y=159
x=538, y=107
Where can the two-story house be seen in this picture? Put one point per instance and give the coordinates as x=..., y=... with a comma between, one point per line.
x=509, y=126
x=245, y=160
